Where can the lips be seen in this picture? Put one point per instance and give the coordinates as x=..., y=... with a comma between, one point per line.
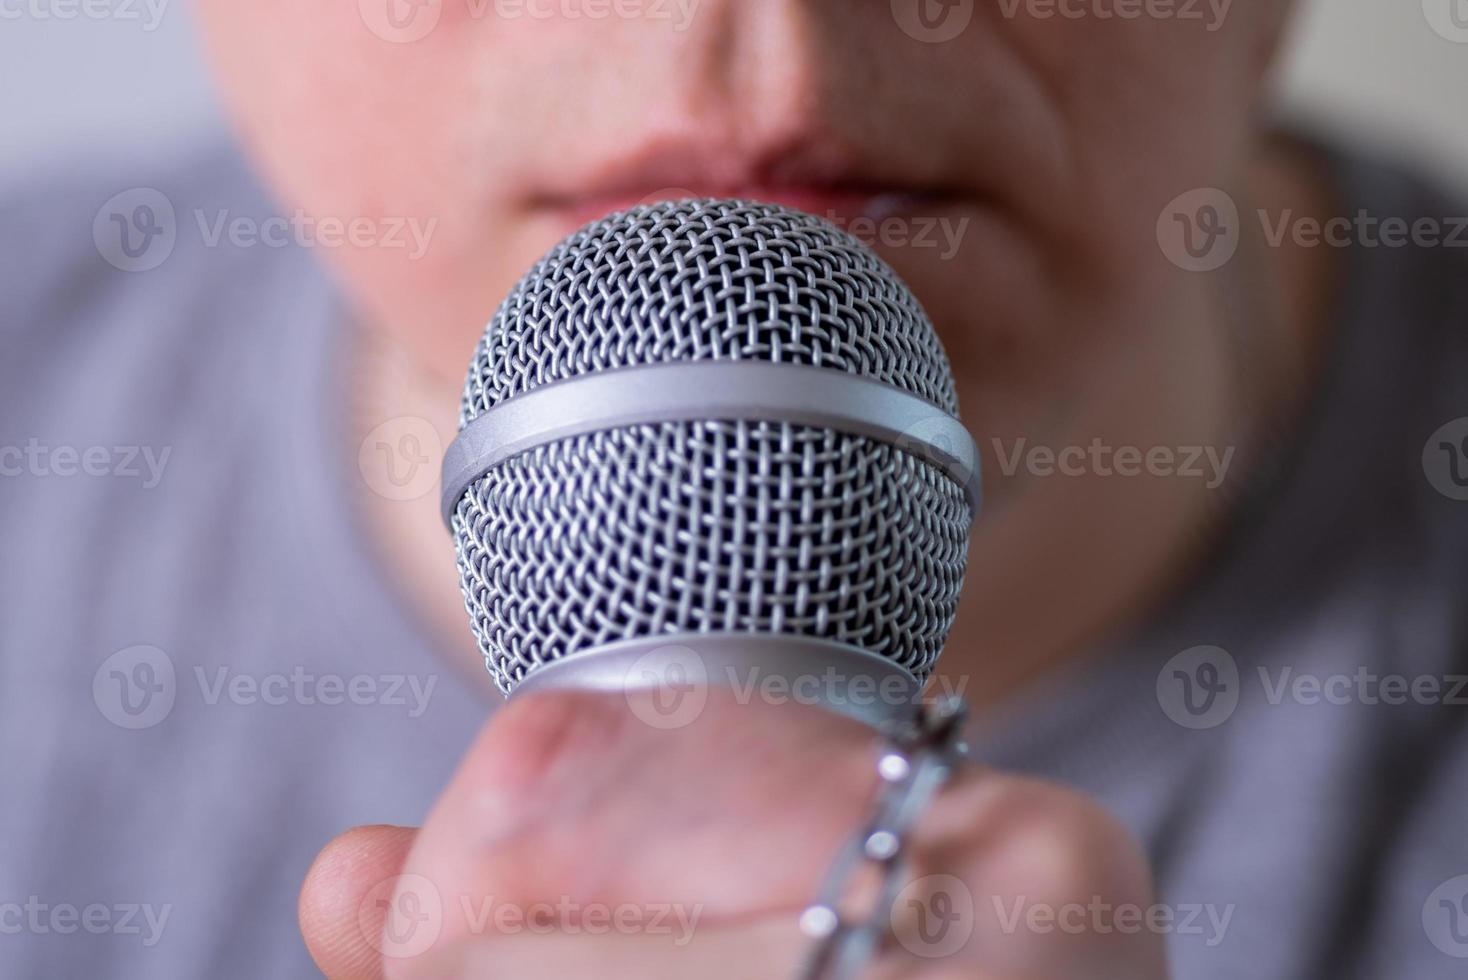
x=807, y=175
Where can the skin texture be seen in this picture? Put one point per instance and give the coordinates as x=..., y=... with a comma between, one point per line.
x=1057, y=143
x=527, y=821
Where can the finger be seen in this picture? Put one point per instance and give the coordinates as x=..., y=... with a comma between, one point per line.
x=340, y=924
x=1009, y=872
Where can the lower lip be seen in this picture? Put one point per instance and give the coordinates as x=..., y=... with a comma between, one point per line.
x=838, y=206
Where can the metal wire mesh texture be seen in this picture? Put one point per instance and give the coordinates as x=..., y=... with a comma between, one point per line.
x=696, y=280
x=706, y=525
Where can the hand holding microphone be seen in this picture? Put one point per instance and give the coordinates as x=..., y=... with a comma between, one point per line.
x=710, y=449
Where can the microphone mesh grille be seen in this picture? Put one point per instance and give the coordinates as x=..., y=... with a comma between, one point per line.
x=702, y=280
x=698, y=527
x=707, y=526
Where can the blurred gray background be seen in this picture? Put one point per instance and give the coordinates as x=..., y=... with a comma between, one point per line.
x=1392, y=71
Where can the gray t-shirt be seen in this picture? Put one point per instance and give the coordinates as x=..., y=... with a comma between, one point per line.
x=204, y=674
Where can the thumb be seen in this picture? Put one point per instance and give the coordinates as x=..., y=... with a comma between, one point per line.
x=341, y=927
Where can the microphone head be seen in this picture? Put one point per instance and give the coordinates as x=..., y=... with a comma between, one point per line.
x=710, y=422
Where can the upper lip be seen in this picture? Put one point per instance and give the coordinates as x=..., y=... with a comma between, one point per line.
x=721, y=168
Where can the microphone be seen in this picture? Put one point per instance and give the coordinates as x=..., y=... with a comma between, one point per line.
x=723, y=429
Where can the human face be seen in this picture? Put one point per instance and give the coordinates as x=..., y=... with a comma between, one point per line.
x=1020, y=166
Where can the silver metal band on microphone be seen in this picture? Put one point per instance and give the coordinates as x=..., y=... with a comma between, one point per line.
x=685, y=391
x=838, y=677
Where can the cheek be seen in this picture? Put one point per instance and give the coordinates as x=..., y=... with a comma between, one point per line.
x=355, y=128
x=1154, y=107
